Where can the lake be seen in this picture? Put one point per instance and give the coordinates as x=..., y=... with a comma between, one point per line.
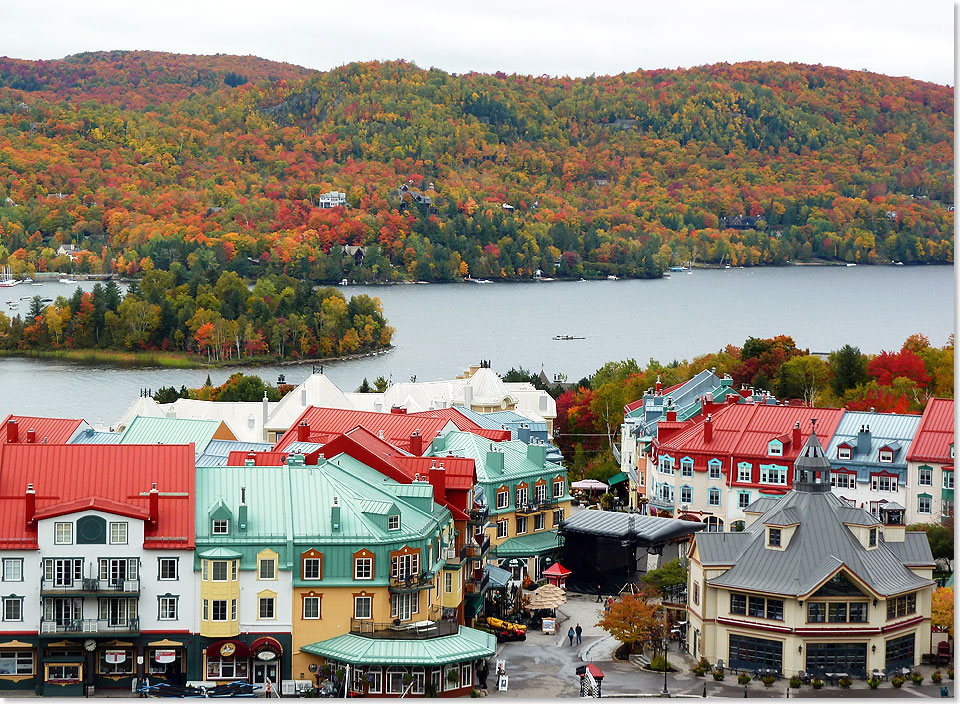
x=441, y=329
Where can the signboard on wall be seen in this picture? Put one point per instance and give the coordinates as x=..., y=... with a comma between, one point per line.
x=115, y=657
x=165, y=656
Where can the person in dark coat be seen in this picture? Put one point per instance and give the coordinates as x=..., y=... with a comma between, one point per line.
x=482, y=676
x=579, y=632
x=599, y=594
x=570, y=634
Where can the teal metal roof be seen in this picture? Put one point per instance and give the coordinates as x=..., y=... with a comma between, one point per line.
x=517, y=462
x=617, y=478
x=468, y=644
x=220, y=554
x=528, y=545
x=144, y=430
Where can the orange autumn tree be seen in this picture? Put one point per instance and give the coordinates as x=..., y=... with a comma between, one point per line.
x=941, y=615
x=633, y=619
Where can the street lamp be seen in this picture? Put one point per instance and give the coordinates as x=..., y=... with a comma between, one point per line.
x=665, y=691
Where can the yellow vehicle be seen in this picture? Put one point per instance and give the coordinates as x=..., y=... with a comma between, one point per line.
x=505, y=630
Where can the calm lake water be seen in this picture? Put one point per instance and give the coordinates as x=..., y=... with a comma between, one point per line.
x=441, y=329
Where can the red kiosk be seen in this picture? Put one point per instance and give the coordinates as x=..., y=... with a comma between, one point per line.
x=557, y=575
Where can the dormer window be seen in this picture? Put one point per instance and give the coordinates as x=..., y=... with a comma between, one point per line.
x=886, y=456
x=773, y=537
x=220, y=527
x=686, y=467
x=843, y=453
x=873, y=538
x=775, y=448
x=393, y=522
x=951, y=450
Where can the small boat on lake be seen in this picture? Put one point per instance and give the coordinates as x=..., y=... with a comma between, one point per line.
x=568, y=337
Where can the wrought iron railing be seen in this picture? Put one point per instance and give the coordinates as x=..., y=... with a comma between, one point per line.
x=91, y=586
x=90, y=625
x=403, y=631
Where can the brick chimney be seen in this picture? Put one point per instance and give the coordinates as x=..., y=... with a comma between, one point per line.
x=13, y=431
x=154, y=505
x=659, y=386
x=671, y=415
x=706, y=404
x=708, y=428
x=796, y=437
x=31, y=503
x=438, y=477
x=31, y=435
x=416, y=443
x=303, y=431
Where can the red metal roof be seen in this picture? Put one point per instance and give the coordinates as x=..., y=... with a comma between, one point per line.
x=261, y=458
x=113, y=475
x=92, y=503
x=54, y=431
x=934, y=434
x=326, y=423
x=745, y=430
x=463, y=423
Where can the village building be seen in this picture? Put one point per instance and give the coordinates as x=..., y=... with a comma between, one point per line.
x=97, y=544
x=868, y=458
x=929, y=496
x=812, y=584
x=332, y=199
x=710, y=469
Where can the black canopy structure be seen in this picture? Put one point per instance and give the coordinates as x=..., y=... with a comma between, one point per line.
x=604, y=547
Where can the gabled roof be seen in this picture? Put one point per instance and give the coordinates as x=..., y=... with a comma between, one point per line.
x=886, y=430
x=54, y=431
x=245, y=418
x=89, y=436
x=93, y=503
x=516, y=462
x=462, y=422
x=820, y=545
x=113, y=476
x=173, y=431
x=746, y=429
x=144, y=406
x=642, y=530
x=326, y=423
x=316, y=390
x=935, y=433
x=218, y=452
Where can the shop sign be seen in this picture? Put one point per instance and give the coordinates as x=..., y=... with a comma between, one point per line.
x=165, y=656
x=227, y=650
x=266, y=655
x=115, y=657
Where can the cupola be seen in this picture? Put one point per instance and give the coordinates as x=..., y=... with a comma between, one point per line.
x=811, y=470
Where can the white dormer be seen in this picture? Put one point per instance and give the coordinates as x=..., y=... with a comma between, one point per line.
x=844, y=451
x=775, y=448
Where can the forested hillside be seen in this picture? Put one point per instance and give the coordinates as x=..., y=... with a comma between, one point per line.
x=143, y=159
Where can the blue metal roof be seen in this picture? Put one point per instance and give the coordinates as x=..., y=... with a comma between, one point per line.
x=89, y=436
x=891, y=430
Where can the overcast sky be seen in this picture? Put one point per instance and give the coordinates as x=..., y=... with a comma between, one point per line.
x=556, y=37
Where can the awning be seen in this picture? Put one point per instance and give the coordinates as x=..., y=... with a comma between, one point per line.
x=467, y=645
x=617, y=478
x=266, y=648
x=227, y=649
x=220, y=553
x=498, y=577
x=472, y=608
x=529, y=545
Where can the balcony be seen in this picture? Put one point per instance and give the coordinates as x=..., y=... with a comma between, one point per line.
x=453, y=557
x=403, y=631
x=479, y=515
x=93, y=587
x=477, y=549
x=536, y=506
x=411, y=583
x=90, y=626
x=478, y=582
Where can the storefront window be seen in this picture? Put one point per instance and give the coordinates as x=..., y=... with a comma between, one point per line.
x=115, y=662
x=16, y=662
x=63, y=673
x=226, y=668
x=165, y=661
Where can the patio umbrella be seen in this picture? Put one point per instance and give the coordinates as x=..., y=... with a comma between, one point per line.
x=549, y=596
x=590, y=484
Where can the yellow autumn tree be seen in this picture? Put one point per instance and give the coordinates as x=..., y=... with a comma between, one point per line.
x=941, y=615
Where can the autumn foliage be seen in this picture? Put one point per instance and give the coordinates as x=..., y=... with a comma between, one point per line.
x=633, y=618
x=144, y=159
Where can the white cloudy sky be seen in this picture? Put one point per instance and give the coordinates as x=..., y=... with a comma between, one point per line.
x=559, y=37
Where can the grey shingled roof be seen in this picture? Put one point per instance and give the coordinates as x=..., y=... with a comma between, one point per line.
x=857, y=516
x=914, y=550
x=644, y=530
x=721, y=548
x=762, y=505
x=820, y=544
x=786, y=517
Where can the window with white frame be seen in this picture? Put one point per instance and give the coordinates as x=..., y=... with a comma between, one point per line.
x=395, y=675
x=451, y=677
x=743, y=499
x=947, y=479
x=843, y=453
x=167, y=608
x=233, y=609
x=403, y=606
x=558, y=487
x=167, y=568
x=502, y=528
x=883, y=482
x=773, y=474
x=686, y=467
x=447, y=582
x=925, y=476
x=13, y=569
x=713, y=497
x=206, y=610
x=713, y=469
x=843, y=480
x=63, y=533
x=63, y=572
x=363, y=568
x=886, y=456
x=363, y=607
x=686, y=494
x=521, y=525
x=666, y=464
x=311, y=607
x=558, y=517
x=540, y=521
x=466, y=674
x=393, y=522
x=118, y=533
x=13, y=608
x=16, y=662
x=219, y=569
x=503, y=499
x=775, y=448
x=375, y=681
x=219, y=607
x=666, y=492
x=266, y=607
x=521, y=496
x=267, y=568
x=924, y=503
x=118, y=569
x=220, y=527
x=744, y=472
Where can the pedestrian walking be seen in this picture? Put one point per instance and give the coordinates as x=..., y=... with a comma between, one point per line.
x=482, y=676
x=579, y=634
x=599, y=594
x=570, y=634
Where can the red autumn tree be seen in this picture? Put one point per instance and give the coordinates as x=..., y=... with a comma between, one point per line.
x=887, y=366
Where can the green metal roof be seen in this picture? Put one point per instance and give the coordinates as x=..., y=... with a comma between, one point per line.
x=220, y=553
x=516, y=462
x=144, y=430
x=617, y=479
x=528, y=545
x=468, y=644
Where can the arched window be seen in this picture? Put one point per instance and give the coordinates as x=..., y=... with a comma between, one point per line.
x=91, y=530
x=419, y=680
x=395, y=679
x=714, y=524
